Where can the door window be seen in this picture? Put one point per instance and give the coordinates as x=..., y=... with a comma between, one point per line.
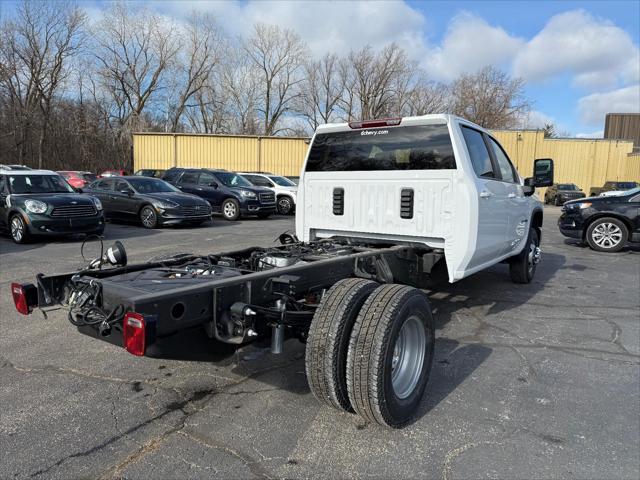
x=478, y=153
x=506, y=169
x=206, y=179
x=259, y=181
x=2, y=184
x=189, y=177
x=122, y=186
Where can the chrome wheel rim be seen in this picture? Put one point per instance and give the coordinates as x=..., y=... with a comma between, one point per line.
x=229, y=210
x=607, y=235
x=533, y=257
x=148, y=217
x=408, y=357
x=17, y=228
x=284, y=205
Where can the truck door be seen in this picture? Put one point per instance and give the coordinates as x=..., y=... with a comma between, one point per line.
x=493, y=201
x=208, y=188
x=517, y=205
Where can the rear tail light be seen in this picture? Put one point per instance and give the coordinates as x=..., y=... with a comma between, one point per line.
x=24, y=297
x=384, y=122
x=134, y=333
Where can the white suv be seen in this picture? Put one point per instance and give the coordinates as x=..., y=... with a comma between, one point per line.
x=285, y=190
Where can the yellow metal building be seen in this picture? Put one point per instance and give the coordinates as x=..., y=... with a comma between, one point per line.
x=587, y=163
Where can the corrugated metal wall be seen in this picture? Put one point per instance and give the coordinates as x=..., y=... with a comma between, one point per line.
x=587, y=163
x=237, y=153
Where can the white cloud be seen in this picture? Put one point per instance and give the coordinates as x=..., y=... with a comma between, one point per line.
x=326, y=26
x=536, y=120
x=599, y=54
x=593, y=108
x=596, y=134
x=470, y=44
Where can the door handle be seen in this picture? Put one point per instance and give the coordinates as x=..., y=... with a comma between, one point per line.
x=485, y=194
x=511, y=195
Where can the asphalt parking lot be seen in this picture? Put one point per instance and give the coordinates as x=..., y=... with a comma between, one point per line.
x=529, y=381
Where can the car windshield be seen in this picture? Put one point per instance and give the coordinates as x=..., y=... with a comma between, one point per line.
x=625, y=185
x=567, y=186
x=282, y=181
x=39, y=184
x=151, y=185
x=232, y=179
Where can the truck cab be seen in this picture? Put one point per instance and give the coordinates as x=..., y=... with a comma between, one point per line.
x=435, y=180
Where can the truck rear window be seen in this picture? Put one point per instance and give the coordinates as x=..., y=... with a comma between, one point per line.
x=422, y=147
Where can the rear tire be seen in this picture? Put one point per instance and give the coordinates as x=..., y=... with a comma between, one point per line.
x=390, y=355
x=523, y=266
x=328, y=341
x=230, y=209
x=18, y=229
x=607, y=234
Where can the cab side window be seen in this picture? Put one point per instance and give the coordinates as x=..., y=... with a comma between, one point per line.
x=122, y=186
x=2, y=184
x=506, y=169
x=480, y=158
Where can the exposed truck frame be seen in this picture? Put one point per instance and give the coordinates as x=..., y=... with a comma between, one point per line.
x=355, y=301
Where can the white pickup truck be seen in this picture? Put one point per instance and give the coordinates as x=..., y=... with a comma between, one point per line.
x=380, y=205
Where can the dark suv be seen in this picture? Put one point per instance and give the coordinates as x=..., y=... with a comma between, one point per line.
x=227, y=192
x=41, y=202
x=558, y=193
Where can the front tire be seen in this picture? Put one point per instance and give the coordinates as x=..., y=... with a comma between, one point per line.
x=230, y=209
x=18, y=229
x=148, y=217
x=523, y=266
x=607, y=234
x=328, y=341
x=285, y=205
x=390, y=355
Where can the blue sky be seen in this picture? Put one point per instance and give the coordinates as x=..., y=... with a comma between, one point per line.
x=579, y=60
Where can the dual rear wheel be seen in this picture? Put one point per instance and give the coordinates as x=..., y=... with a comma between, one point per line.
x=370, y=350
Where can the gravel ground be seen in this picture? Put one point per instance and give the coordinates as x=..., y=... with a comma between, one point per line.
x=529, y=381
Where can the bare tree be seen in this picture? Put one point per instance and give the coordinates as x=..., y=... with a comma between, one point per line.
x=425, y=97
x=378, y=78
x=321, y=91
x=490, y=98
x=134, y=51
x=195, y=64
x=277, y=54
x=35, y=50
x=242, y=84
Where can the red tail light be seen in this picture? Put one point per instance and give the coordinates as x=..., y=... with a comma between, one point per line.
x=384, y=122
x=24, y=297
x=134, y=334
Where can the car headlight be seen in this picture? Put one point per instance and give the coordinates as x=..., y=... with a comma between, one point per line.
x=164, y=204
x=578, y=206
x=97, y=202
x=247, y=194
x=35, y=206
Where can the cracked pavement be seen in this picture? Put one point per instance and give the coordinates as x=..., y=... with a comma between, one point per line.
x=529, y=381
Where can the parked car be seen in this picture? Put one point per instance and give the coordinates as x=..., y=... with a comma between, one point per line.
x=285, y=189
x=295, y=180
x=78, y=179
x=146, y=172
x=605, y=223
x=14, y=167
x=41, y=202
x=613, y=193
x=558, y=193
x=151, y=200
x=227, y=192
x=610, y=186
x=113, y=173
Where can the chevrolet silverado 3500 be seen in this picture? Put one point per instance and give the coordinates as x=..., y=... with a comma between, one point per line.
x=380, y=205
